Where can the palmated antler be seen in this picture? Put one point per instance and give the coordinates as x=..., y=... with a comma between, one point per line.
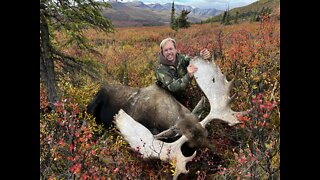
x=217, y=88
x=141, y=139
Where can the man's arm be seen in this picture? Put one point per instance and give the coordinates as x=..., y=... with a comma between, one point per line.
x=171, y=83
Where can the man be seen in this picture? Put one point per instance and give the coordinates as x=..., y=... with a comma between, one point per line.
x=174, y=72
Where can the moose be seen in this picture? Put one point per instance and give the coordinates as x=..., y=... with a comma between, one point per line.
x=147, y=116
x=153, y=107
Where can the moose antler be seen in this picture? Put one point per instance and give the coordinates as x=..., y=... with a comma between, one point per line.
x=141, y=139
x=216, y=88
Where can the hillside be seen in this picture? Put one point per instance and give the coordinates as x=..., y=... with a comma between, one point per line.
x=139, y=14
x=256, y=6
x=122, y=15
x=250, y=10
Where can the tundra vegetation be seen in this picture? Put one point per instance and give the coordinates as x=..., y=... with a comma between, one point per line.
x=74, y=146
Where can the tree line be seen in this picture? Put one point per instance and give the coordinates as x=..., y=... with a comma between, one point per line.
x=227, y=18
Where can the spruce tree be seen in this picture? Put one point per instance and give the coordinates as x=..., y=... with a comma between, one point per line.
x=182, y=20
x=172, y=21
x=72, y=19
x=226, y=17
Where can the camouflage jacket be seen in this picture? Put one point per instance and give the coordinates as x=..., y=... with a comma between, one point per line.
x=173, y=77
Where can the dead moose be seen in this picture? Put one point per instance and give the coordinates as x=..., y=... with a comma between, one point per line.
x=152, y=106
x=146, y=116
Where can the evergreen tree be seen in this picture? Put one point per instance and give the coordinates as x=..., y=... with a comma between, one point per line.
x=172, y=21
x=71, y=18
x=226, y=17
x=182, y=20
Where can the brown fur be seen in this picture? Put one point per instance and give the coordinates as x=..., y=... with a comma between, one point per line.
x=194, y=131
x=152, y=106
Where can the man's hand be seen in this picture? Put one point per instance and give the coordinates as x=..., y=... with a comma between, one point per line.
x=191, y=69
x=205, y=54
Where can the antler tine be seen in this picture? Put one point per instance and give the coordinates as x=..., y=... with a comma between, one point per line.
x=206, y=120
x=232, y=98
x=213, y=56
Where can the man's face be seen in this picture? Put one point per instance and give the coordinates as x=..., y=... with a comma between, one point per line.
x=169, y=51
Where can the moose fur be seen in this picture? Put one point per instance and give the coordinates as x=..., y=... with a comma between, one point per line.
x=152, y=106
